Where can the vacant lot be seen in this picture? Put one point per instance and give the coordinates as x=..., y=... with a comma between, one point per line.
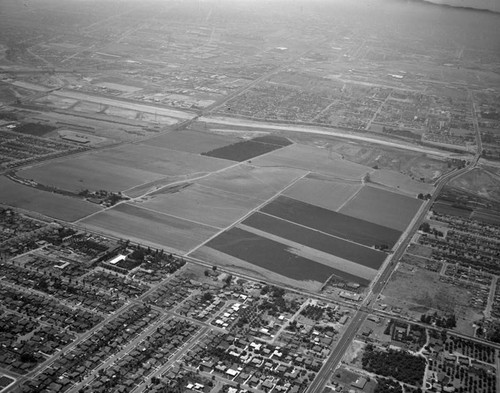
x=242, y=151
x=331, y=222
x=255, y=182
x=323, y=191
x=382, y=207
x=332, y=245
x=202, y=204
x=46, y=203
x=420, y=291
x=313, y=159
x=403, y=183
x=190, y=141
x=269, y=254
x=480, y=182
x=131, y=222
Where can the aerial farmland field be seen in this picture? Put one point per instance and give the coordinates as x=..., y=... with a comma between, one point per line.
x=271, y=255
x=245, y=150
x=120, y=168
x=332, y=223
x=365, y=256
x=328, y=193
x=86, y=172
x=314, y=159
x=352, y=272
x=403, y=183
x=382, y=207
x=201, y=204
x=46, y=203
x=253, y=181
x=156, y=229
x=191, y=141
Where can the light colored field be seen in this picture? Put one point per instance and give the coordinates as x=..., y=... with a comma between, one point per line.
x=46, y=203
x=152, y=118
x=323, y=192
x=120, y=112
x=480, y=182
x=159, y=160
x=120, y=168
x=382, y=207
x=93, y=140
x=255, y=182
x=117, y=86
x=207, y=254
x=191, y=141
x=203, y=204
x=58, y=102
x=314, y=159
x=87, y=172
x=318, y=256
x=142, y=225
x=125, y=104
x=400, y=182
x=105, y=129
x=88, y=107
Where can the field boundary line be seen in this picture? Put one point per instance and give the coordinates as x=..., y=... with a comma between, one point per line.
x=171, y=215
x=314, y=254
x=320, y=231
x=243, y=196
x=257, y=208
x=350, y=198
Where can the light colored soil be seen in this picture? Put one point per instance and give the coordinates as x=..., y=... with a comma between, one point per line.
x=402, y=183
x=120, y=168
x=327, y=193
x=127, y=221
x=255, y=182
x=204, y=204
x=479, y=182
x=124, y=104
x=382, y=207
x=314, y=159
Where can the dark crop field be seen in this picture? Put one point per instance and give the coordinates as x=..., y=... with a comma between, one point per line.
x=317, y=240
x=242, y=151
x=333, y=223
x=275, y=257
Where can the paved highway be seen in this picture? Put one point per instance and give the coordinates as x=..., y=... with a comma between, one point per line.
x=338, y=352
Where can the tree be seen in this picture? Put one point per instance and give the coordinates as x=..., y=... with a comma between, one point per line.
x=425, y=227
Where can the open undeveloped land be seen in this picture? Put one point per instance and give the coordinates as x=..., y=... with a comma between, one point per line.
x=46, y=203
x=296, y=211
x=419, y=291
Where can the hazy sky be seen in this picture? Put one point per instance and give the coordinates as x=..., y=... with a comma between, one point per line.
x=493, y=5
